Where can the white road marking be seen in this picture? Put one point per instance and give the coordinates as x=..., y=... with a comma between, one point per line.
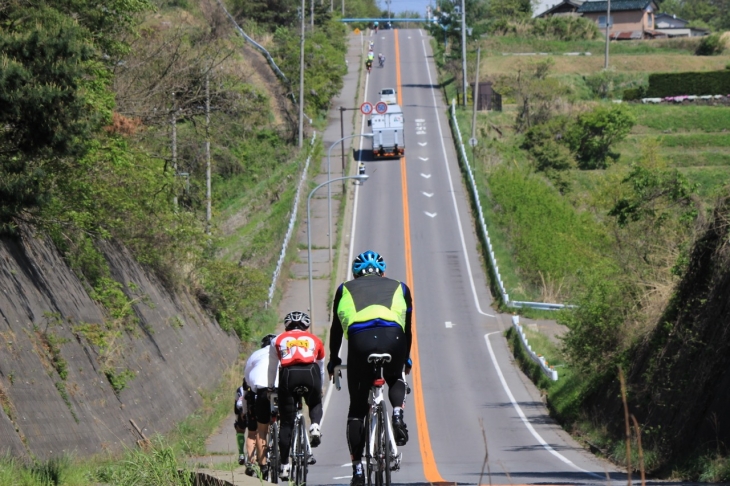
x=427, y=176
x=331, y=387
x=423, y=158
x=436, y=109
x=427, y=194
x=522, y=415
x=420, y=120
x=449, y=324
x=422, y=144
x=343, y=477
x=432, y=215
x=422, y=132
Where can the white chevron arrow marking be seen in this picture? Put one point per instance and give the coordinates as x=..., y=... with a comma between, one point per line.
x=430, y=215
x=422, y=144
x=427, y=176
x=427, y=194
x=423, y=158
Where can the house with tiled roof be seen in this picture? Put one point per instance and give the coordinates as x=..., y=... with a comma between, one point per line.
x=629, y=19
x=564, y=7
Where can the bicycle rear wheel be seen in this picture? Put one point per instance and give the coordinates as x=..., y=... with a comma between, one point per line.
x=294, y=453
x=369, y=462
x=272, y=452
x=380, y=451
x=386, y=446
x=304, y=455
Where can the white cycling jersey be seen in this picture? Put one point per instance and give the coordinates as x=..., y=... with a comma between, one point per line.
x=257, y=369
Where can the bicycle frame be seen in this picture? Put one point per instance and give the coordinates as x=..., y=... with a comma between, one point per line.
x=377, y=403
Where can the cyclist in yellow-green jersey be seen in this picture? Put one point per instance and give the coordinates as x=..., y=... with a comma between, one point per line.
x=373, y=313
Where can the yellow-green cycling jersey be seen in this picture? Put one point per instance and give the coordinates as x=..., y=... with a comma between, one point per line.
x=371, y=302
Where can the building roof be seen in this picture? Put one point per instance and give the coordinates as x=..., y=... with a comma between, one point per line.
x=616, y=5
x=571, y=3
x=672, y=18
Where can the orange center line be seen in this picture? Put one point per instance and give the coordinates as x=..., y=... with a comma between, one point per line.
x=430, y=469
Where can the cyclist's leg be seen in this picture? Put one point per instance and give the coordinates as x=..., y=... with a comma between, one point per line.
x=263, y=417
x=360, y=377
x=287, y=412
x=394, y=340
x=314, y=403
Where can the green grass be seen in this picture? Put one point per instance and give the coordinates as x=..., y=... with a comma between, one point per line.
x=499, y=44
x=682, y=118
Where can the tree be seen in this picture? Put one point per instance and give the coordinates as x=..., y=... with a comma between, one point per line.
x=52, y=99
x=593, y=134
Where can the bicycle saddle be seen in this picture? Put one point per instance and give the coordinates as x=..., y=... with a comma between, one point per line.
x=379, y=358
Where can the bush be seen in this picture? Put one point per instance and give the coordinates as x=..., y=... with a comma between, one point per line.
x=633, y=94
x=675, y=84
x=594, y=133
x=544, y=142
x=711, y=45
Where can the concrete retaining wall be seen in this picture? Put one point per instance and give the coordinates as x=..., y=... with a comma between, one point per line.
x=174, y=350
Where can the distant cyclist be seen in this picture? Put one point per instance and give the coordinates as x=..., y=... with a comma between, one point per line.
x=374, y=314
x=371, y=55
x=369, y=64
x=301, y=355
x=375, y=24
x=381, y=59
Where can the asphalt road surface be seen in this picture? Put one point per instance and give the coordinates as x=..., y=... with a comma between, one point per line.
x=466, y=390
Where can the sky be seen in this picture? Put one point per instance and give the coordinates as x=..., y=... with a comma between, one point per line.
x=420, y=5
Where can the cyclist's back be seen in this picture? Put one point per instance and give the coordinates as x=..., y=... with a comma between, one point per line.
x=301, y=355
x=374, y=314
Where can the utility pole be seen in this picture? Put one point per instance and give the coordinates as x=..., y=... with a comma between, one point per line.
x=463, y=46
x=301, y=83
x=608, y=32
x=173, y=123
x=476, y=96
x=311, y=15
x=208, y=211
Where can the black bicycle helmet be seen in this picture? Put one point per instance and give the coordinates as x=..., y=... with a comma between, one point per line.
x=266, y=340
x=368, y=263
x=296, y=320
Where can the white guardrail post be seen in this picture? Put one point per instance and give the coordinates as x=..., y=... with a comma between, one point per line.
x=290, y=229
x=483, y=226
x=549, y=371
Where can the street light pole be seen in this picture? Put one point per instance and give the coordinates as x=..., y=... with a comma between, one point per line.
x=301, y=83
x=463, y=46
x=329, y=190
x=360, y=178
x=608, y=32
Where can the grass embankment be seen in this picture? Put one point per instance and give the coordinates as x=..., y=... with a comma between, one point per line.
x=561, y=238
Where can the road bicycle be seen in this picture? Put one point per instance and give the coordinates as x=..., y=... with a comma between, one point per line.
x=381, y=61
x=381, y=452
x=272, y=442
x=300, y=455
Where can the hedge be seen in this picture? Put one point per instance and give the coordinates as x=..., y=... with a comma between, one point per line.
x=676, y=84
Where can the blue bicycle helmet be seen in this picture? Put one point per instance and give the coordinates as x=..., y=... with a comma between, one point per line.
x=368, y=263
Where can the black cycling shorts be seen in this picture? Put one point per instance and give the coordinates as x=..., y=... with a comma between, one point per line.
x=360, y=373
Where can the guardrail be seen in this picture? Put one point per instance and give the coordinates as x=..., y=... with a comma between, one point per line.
x=548, y=370
x=290, y=229
x=483, y=226
x=255, y=44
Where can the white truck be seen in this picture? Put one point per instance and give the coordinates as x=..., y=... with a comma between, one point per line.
x=388, y=137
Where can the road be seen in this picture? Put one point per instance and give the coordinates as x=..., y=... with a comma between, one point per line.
x=465, y=387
